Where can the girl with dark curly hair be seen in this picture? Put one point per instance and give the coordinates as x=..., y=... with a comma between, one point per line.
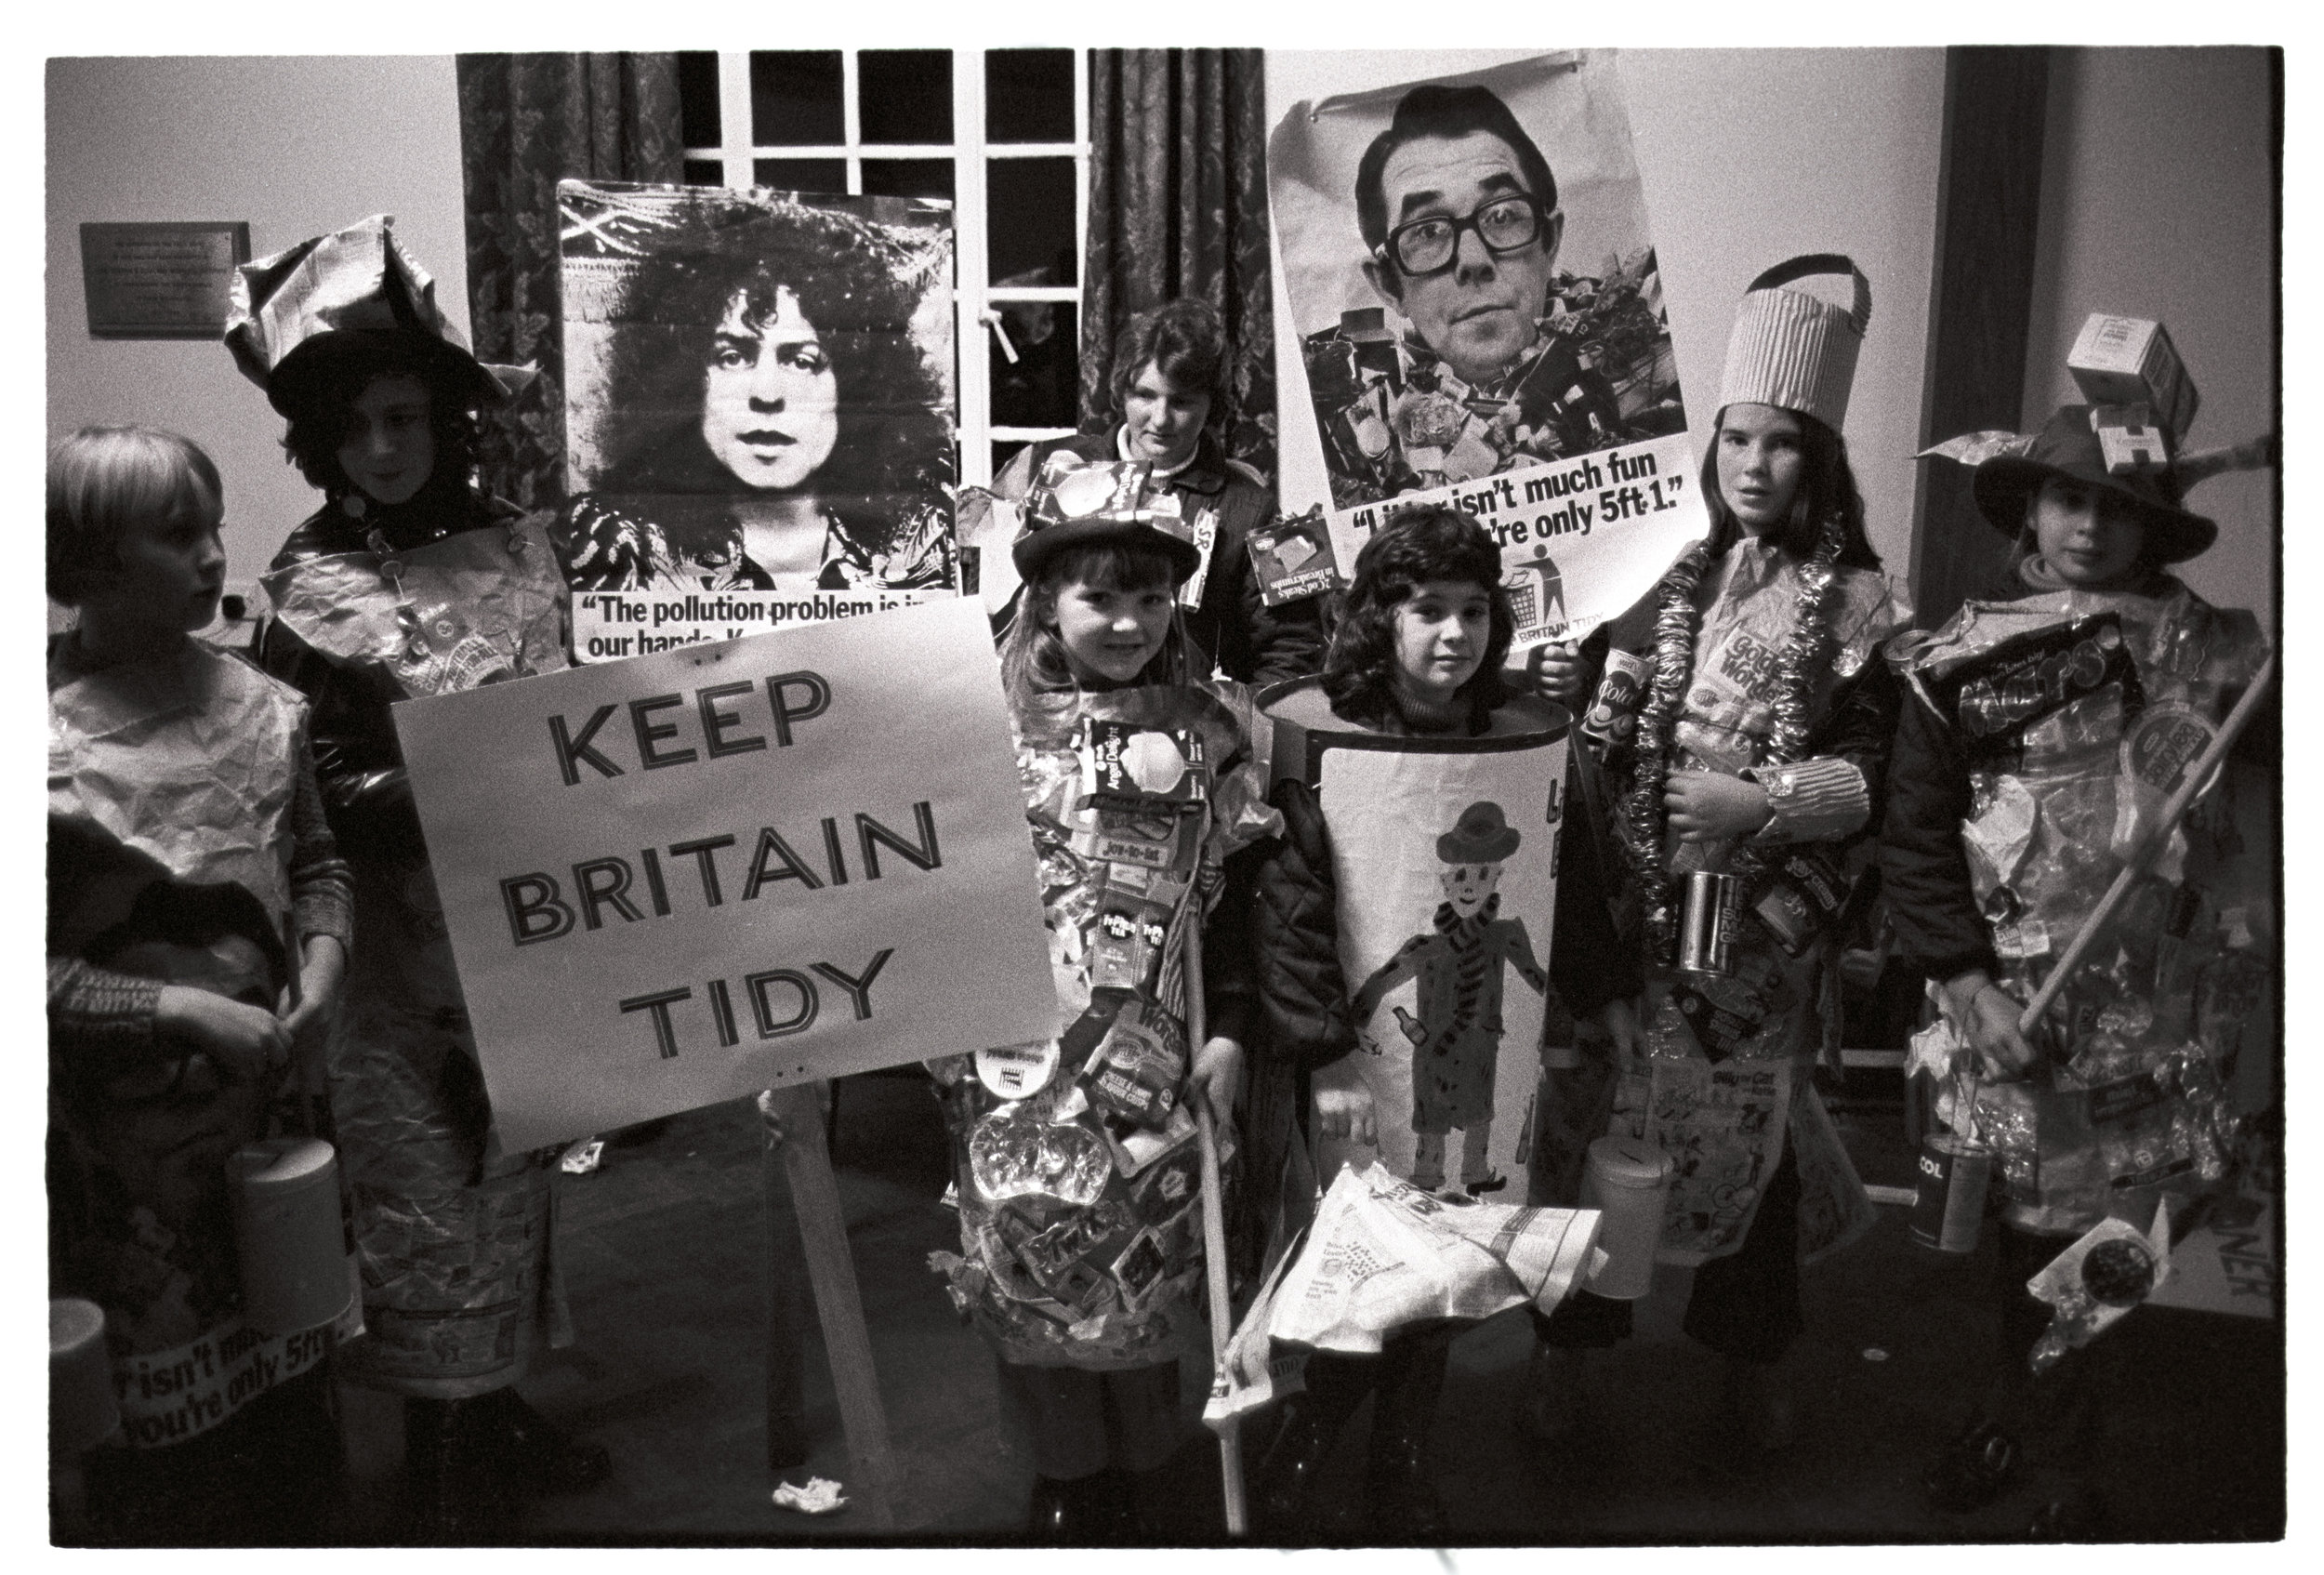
x=772, y=416
x=1417, y=653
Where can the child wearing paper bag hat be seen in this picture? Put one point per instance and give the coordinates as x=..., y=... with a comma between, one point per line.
x=411, y=580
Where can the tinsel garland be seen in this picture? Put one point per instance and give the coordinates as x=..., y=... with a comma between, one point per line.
x=1676, y=625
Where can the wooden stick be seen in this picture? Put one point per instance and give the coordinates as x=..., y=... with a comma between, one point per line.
x=2173, y=810
x=787, y=1319
x=839, y=1302
x=1213, y=1219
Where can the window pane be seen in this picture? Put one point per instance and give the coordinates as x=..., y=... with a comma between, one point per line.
x=704, y=172
x=908, y=178
x=795, y=96
x=698, y=98
x=1029, y=96
x=904, y=95
x=1005, y=452
x=1032, y=217
x=825, y=177
x=1038, y=390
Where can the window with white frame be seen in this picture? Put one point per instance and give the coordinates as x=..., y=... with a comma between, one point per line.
x=1002, y=134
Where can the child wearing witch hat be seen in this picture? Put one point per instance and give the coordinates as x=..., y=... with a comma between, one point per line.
x=2040, y=739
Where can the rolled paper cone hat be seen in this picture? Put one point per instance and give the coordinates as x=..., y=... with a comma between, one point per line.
x=2068, y=447
x=1797, y=350
x=355, y=289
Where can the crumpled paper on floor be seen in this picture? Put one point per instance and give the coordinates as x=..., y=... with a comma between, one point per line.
x=1383, y=1254
x=819, y=1496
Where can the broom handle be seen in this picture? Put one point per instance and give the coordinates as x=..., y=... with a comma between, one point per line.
x=1213, y=1216
x=2173, y=809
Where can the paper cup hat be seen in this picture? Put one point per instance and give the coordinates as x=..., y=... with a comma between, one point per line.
x=1790, y=349
x=1079, y=503
x=2068, y=446
x=293, y=312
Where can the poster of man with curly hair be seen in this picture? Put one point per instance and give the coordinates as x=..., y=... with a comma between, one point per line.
x=758, y=410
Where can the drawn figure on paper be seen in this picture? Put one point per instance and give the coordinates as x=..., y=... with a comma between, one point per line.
x=1456, y=967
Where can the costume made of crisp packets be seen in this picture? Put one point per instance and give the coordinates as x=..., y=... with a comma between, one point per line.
x=1081, y=1238
x=452, y=1234
x=1725, y=1084
x=2041, y=735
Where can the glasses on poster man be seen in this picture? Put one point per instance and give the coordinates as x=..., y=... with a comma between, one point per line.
x=1428, y=246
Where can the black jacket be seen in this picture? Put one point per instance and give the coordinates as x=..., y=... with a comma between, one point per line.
x=1233, y=627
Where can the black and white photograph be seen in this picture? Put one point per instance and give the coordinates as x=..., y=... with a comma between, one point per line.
x=944, y=790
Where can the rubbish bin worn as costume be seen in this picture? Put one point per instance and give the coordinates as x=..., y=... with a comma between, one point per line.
x=375, y=605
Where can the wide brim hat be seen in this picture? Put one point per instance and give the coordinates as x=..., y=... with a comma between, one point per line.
x=1482, y=834
x=1793, y=349
x=351, y=297
x=2067, y=446
x=1075, y=502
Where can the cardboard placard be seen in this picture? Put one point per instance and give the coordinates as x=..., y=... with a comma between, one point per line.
x=673, y=880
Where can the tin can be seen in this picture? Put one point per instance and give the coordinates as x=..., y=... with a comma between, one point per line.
x=1612, y=719
x=1948, y=1201
x=1708, y=917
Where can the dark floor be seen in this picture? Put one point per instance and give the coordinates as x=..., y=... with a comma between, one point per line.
x=667, y=1262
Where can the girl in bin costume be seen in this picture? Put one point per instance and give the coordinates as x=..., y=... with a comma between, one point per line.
x=411, y=581
x=2039, y=738
x=1760, y=753
x=1417, y=656
x=1077, y=1172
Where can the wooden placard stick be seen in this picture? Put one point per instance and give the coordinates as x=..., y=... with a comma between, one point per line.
x=839, y=1302
x=2174, y=808
x=1213, y=1220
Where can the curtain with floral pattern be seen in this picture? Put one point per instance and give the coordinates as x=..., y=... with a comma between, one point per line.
x=1178, y=206
x=527, y=122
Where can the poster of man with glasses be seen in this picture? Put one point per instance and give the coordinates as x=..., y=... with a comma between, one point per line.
x=1474, y=289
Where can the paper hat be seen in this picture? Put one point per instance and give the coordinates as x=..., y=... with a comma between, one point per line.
x=2068, y=445
x=1075, y=502
x=1482, y=834
x=1791, y=350
x=294, y=312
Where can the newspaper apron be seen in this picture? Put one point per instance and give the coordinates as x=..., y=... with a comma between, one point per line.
x=2079, y=712
x=1444, y=851
x=1080, y=1230
x=452, y=1234
x=187, y=760
x=1724, y=1082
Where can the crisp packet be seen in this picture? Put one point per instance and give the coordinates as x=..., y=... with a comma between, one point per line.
x=2111, y=1269
x=1159, y=838
x=1136, y=1069
x=817, y=1495
x=1122, y=762
x=1014, y=1154
x=1126, y=942
x=1293, y=558
x=1070, y=487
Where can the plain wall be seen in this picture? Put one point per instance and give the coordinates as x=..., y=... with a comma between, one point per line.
x=2158, y=201
x=297, y=146
x=1747, y=157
